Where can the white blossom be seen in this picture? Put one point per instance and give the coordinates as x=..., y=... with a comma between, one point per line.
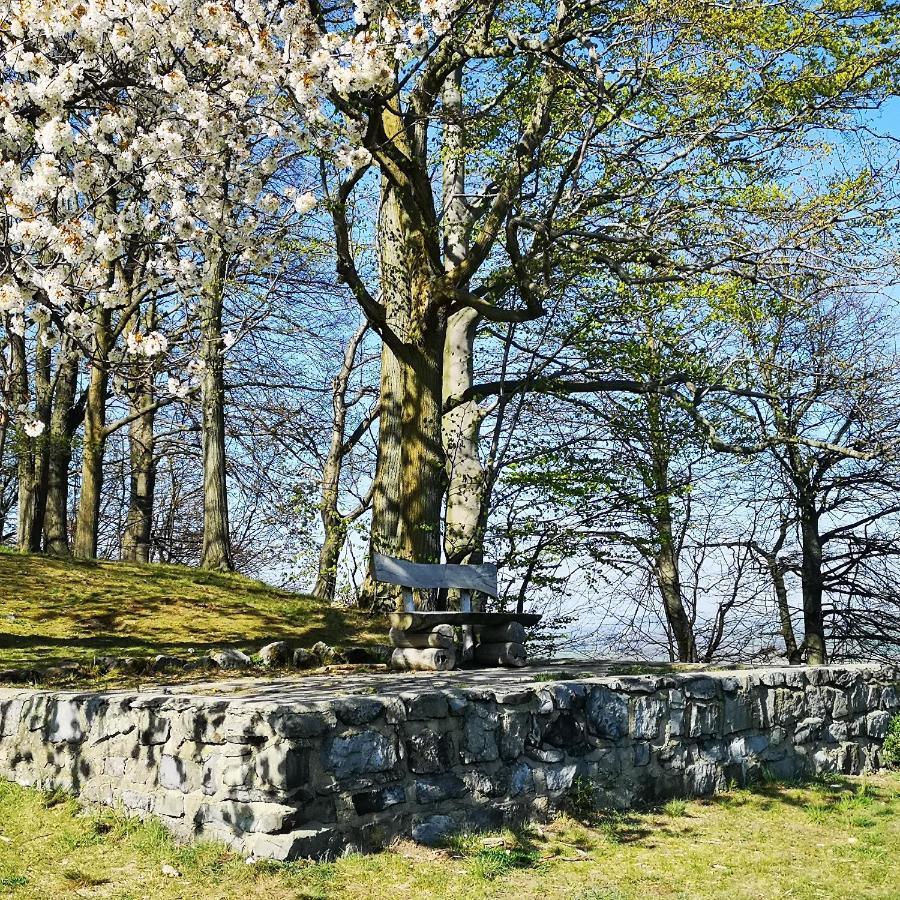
x=33, y=427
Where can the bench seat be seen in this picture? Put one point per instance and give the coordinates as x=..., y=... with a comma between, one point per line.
x=425, y=621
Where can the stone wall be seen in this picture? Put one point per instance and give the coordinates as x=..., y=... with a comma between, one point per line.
x=308, y=779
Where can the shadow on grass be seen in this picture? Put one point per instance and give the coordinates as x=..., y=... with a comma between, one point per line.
x=70, y=611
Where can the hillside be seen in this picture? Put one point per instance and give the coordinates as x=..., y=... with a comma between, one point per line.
x=54, y=612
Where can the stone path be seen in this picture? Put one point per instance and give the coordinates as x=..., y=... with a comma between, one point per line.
x=311, y=688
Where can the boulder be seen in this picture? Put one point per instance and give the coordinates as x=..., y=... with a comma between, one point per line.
x=229, y=658
x=277, y=653
x=305, y=659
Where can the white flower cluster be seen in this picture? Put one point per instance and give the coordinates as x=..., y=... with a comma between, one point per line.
x=159, y=126
x=150, y=345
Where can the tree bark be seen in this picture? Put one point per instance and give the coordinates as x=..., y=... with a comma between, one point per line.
x=666, y=560
x=461, y=426
x=333, y=522
x=423, y=476
x=811, y=577
x=394, y=278
x=63, y=422
x=31, y=452
x=216, y=536
x=88, y=518
x=142, y=479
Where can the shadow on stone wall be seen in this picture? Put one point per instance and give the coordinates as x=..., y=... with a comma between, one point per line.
x=284, y=780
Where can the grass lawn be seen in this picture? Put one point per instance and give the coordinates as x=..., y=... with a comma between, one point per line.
x=54, y=611
x=815, y=842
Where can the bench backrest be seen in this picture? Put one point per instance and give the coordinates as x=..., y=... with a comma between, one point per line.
x=481, y=577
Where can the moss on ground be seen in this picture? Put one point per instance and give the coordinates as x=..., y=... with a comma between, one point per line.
x=54, y=611
x=838, y=839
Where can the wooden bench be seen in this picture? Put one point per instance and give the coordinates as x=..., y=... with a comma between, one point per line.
x=426, y=639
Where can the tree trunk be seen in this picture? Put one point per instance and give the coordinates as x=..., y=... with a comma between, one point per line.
x=87, y=523
x=329, y=556
x=410, y=477
x=395, y=296
x=461, y=426
x=666, y=559
x=333, y=523
x=62, y=428
x=31, y=452
x=216, y=537
x=423, y=476
x=142, y=480
x=811, y=578
x=776, y=573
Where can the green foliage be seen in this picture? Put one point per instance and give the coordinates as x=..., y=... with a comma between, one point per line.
x=675, y=808
x=890, y=750
x=555, y=676
x=493, y=862
x=581, y=799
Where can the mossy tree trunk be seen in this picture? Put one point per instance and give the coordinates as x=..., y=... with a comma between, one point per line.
x=87, y=522
x=216, y=536
x=142, y=478
x=65, y=417
x=32, y=455
x=461, y=425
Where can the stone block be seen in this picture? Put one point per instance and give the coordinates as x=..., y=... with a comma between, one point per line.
x=358, y=710
x=559, y=778
x=700, y=687
x=435, y=788
x=434, y=831
x=153, y=728
x=282, y=767
x=431, y=705
x=564, y=731
x=379, y=800
x=241, y=817
x=230, y=658
x=487, y=784
x=606, y=713
x=704, y=719
x=176, y=774
x=170, y=803
x=361, y=753
x=303, y=725
x=430, y=752
x=737, y=712
x=640, y=754
x=877, y=724
x=521, y=780
x=649, y=713
x=514, y=729
x=808, y=731
x=479, y=740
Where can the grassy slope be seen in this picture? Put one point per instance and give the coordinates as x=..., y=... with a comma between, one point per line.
x=837, y=841
x=53, y=611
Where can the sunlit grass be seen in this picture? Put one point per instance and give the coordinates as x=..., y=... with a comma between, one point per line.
x=56, y=611
x=838, y=839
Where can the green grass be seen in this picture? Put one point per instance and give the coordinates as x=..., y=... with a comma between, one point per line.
x=54, y=612
x=759, y=844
